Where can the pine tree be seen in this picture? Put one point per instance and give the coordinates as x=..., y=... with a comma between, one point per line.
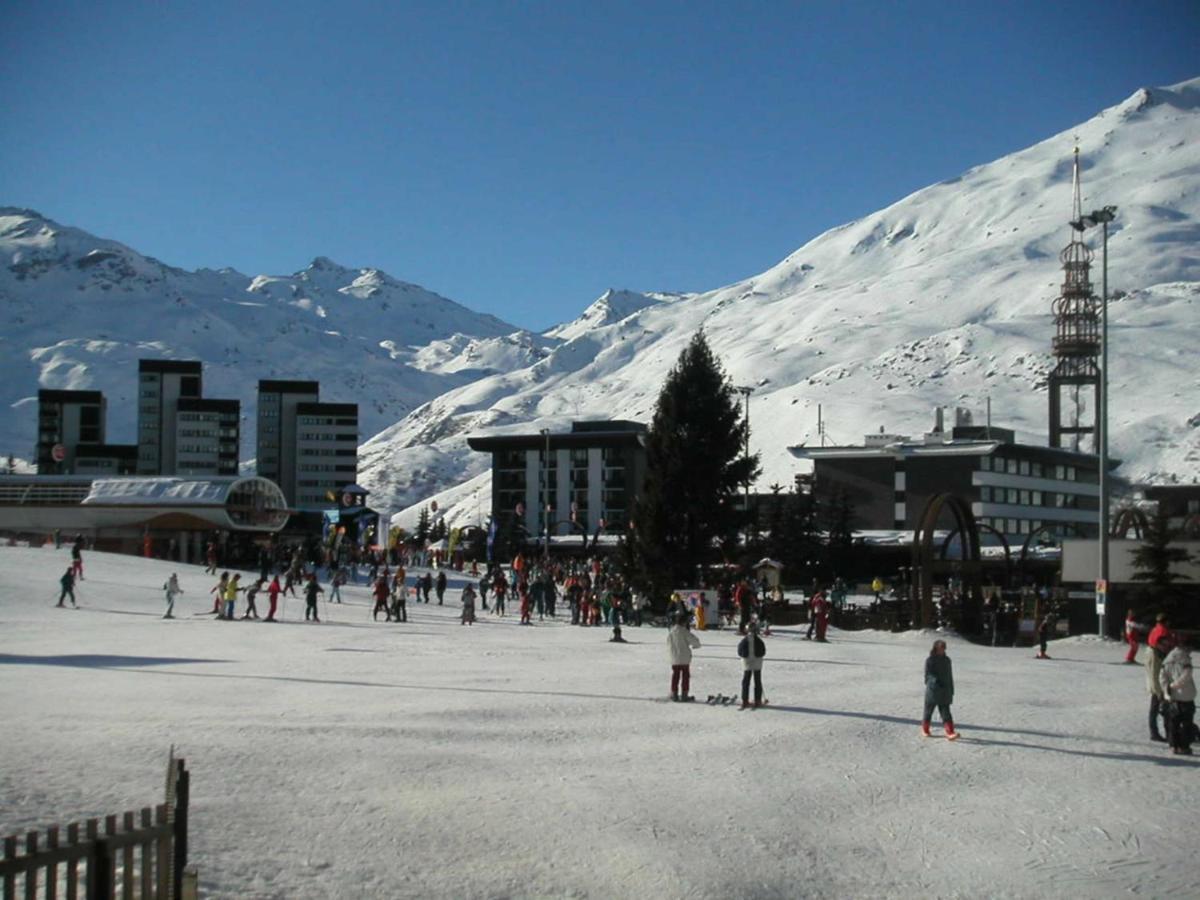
x=1154, y=559
x=839, y=534
x=421, y=535
x=696, y=466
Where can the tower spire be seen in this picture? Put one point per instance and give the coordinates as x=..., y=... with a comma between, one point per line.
x=1076, y=197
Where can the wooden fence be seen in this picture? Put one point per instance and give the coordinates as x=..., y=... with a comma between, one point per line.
x=134, y=856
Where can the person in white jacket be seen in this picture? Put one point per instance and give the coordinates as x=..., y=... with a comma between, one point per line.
x=680, y=643
x=173, y=590
x=752, y=650
x=1179, y=691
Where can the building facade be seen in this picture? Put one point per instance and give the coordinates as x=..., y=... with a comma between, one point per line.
x=276, y=439
x=161, y=384
x=67, y=419
x=1016, y=489
x=325, y=452
x=207, y=435
x=581, y=480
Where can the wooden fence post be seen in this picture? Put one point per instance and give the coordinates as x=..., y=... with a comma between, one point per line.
x=10, y=880
x=182, y=791
x=73, y=865
x=52, y=869
x=31, y=872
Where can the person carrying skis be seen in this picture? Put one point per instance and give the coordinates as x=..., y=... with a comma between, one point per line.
x=68, y=587
x=381, y=600
x=273, y=592
x=1179, y=692
x=680, y=644
x=752, y=650
x=468, y=605
x=939, y=689
x=311, y=589
x=173, y=590
x=440, y=586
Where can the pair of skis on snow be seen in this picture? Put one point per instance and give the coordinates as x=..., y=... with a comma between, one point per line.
x=725, y=700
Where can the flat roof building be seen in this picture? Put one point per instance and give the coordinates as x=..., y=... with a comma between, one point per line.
x=67, y=419
x=326, y=452
x=275, y=456
x=161, y=384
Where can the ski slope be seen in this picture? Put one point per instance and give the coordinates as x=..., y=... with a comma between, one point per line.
x=431, y=760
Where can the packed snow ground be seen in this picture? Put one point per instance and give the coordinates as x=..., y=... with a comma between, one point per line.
x=361, y=759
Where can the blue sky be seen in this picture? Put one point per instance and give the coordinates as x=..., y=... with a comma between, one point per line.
x=522, y=157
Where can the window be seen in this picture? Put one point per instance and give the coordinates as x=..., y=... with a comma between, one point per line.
x=1060, y=473
x=985, y=492
x=1036, y=469
x=985, y=463
x=1024, y=468
x=1012, y=467
x=1035, y=498
x=1024, y=498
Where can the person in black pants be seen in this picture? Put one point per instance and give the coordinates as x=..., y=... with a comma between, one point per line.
x=752, y=650
x=311, y=589
x=68, y=587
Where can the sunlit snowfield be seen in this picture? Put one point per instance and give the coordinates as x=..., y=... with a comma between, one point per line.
x=361, y=759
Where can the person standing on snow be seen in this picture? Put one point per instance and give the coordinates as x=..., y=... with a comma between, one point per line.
x=251, y=593
x=173, y=590
x=1132, y=629
x=77, y=557
x=68, y=587
x=311, y=589
x=381, y=600
x=1043, y=633
x=219, y=592
x=1179, y=693
x=468, y=606
x=680, y=643
x=335, y=586
x=273, y=592
x=231, y=592
x=440, y=586
x=752, y=650
x=939, y=689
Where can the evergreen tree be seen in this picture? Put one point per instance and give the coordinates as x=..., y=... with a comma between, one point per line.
x=696, y=465
x=802, y=552
x=839, y=534
x=438, y=530
x=421, y=535
x=1154, y=559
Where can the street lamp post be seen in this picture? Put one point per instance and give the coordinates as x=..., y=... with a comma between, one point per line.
x=746, y=392
x=1102, y=217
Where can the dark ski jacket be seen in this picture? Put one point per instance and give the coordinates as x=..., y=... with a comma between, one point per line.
x=939, y=679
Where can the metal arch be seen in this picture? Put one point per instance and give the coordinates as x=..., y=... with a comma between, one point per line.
x=926, y=563
x=983, y=526
x=1127, y=518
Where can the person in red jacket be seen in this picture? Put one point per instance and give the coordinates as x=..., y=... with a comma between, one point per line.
x=273, y=596
x=820, y=613
x=1161, y=639
x=382, y=594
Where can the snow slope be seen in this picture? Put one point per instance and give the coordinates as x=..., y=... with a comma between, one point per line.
x=430, y=760
x=941, y=299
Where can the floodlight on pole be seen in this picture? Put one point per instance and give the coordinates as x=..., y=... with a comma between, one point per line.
x=1102, y=217
x=746, y=391
x=545, y=498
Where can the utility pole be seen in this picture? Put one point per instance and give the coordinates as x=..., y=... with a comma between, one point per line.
x=546, y=505
x=746, y=392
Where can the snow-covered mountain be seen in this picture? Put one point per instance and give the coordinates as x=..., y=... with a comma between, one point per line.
x=80, y=311
x=941, y=299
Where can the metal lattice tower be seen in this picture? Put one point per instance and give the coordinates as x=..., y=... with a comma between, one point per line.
x=1075, y=381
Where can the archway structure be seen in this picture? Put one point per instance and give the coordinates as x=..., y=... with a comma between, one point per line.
x=928, y=564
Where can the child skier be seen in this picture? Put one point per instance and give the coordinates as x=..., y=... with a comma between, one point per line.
x=381, y=600
x=468, y=606
x=273, y=592
x=680, y=643
x=173, y=590
x=231, y=592
x=311, y=589
x=219, y=592
x=68, y=587
x=251, y=593
x=939, y=689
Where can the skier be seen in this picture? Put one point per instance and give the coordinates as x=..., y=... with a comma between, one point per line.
x=817, y=602
x=68, y=587
x=752, y=650
x=426, y=586
x=1179, y=692
x=173, y=590
x=526, y=603
x=231, y=592
x=400, y=603
x=219, y=592
x=311, y=589
x=381, y=600
x=1043, y=634
x=485, y=584
x=636, y=604
x=335, y=586
x=273, y=592
x=500, y=589
x=210, y=558
x=440, y=586
x=939, y=689
x=77, y=557
x=820, y=614
x=680, y=643
x=468, y=606
x=251, y=593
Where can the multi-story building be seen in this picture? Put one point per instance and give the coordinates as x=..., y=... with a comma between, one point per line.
x=584, y=479
x=206, y=437
x=161, y=384
x=276, y=440
x=1015, y=488
x=67, y=419
x=325, y=452
x=105, y=459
